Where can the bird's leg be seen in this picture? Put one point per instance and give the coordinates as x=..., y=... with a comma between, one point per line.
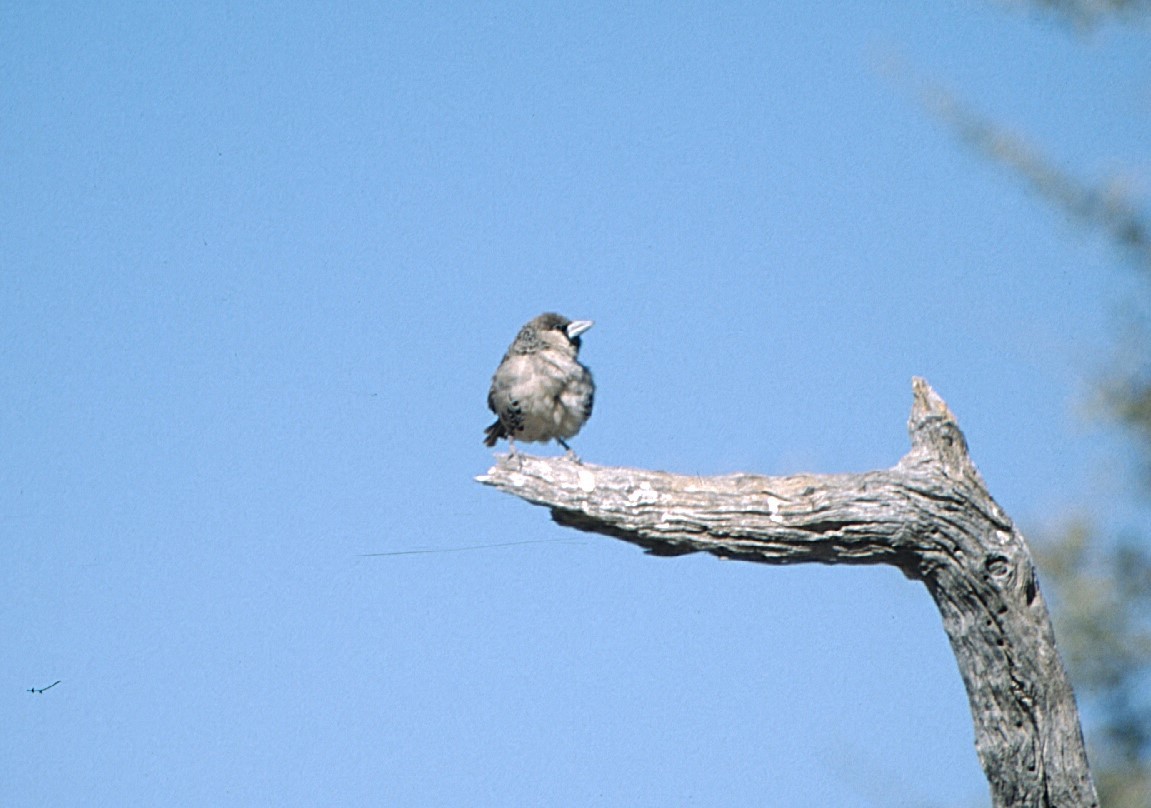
x=512, y=453
x=570, y=454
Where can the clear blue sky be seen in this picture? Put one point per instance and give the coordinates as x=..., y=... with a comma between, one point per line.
x=258, y=262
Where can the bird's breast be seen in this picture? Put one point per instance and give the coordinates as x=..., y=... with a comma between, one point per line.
x=542, y=395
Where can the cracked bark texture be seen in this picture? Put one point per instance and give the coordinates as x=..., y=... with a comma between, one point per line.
x=931, y=516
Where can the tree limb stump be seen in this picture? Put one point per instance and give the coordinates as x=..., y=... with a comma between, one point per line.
x=931, y=516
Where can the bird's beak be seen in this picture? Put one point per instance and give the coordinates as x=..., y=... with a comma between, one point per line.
x=577, y=327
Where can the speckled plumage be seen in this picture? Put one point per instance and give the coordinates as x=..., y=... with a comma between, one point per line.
x=540, y=391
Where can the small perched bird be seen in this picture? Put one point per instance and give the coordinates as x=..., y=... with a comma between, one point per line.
x=540, y=391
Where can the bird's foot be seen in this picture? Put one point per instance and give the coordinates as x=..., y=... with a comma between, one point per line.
x=569, y=454
x=514, y=455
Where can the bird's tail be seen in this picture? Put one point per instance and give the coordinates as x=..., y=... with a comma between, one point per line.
x=494, y=432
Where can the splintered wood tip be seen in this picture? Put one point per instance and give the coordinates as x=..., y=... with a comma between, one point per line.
x=927, y=402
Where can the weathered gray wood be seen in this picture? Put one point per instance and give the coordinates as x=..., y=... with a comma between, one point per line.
x=931, y=516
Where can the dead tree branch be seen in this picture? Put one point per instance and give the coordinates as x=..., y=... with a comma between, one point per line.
x=931, y=516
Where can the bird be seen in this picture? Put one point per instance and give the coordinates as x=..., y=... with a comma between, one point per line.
x=540, y=391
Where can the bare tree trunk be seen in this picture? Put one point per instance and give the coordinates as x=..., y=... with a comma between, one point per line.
x=931, y=516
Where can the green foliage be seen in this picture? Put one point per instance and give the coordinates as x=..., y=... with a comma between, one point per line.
x=1102, y=597
x=1099, y=585
x=1104, y=204
x=1089, y=13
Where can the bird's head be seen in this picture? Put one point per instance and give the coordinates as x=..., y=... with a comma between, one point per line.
x=558, y=331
